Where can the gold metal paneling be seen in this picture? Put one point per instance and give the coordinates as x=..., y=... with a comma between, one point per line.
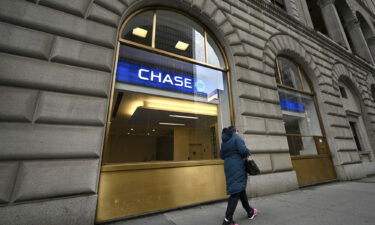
x=158, y=165
x=134, y=192
x=313, y=169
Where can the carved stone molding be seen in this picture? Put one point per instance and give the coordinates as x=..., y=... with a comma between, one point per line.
x=324, y=3
x=310, y=33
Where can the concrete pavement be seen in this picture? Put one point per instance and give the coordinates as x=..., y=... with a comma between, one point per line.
x=338, y=203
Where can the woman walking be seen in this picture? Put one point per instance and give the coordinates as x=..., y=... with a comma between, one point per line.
x=233, y=151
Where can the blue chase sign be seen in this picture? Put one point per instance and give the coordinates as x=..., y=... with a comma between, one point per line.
x=290, y=105
x=147, y=76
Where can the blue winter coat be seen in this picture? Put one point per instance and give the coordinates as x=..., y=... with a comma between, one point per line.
x=233, y=150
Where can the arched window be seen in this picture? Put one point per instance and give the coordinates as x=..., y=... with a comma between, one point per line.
x=180, y=36
x=297, y=102
x=171, y=94
x=351, y=101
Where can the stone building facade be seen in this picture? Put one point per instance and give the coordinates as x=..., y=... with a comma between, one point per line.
x=57, y=68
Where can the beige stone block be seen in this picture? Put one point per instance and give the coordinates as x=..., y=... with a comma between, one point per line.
x=281, y=162
x=275, y=126
x=248, y=90
x=346, y=144
x=266, y=143
x=355, y=157
x=344, y=157
x=272, y=183
x=258, y=108
x=263, y=161
x=253, y=125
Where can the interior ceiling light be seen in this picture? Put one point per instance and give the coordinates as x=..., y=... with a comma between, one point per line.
x=167, y=104
x=185, y=117
x=139, y=32
x=181, y=45
x=181, y=106
x=172, y=124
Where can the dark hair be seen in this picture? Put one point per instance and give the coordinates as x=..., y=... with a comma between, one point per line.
x=229, y=130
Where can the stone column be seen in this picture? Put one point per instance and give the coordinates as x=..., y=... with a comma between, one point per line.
x=306, y=12
x=332, y=21
x=371, y=45
x=358, y=40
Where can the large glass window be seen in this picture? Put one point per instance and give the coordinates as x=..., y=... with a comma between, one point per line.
x=173, y=33
x=297, y=103
x=167, y=107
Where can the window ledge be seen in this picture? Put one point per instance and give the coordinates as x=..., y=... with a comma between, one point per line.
x=364, y=152
x=158, y=165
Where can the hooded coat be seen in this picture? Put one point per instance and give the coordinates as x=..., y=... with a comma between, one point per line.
x=233, y=150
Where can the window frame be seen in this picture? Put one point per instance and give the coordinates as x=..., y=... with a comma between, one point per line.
x=154, y=49
x=300, y=75
x=120, y=41
x=343, y=93
x=310, y=93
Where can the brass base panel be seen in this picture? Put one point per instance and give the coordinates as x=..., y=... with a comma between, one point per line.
x=313, y=170
x=133, y=192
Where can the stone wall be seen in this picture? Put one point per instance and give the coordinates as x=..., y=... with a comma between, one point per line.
x=56, y=60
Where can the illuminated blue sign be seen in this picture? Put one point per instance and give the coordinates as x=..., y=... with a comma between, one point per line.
x=146, y=76
x=287, y=104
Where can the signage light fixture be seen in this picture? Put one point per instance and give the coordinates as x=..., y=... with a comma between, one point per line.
x=139, y=32
x=181, y=45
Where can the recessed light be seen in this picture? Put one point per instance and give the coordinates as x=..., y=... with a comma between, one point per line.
x=172, y=124
x=139, y=32
x=153, y=130
x=181, y=45
x=185, y=117
x=131, y=129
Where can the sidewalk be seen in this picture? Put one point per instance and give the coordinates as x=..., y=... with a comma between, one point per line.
x=339, y=203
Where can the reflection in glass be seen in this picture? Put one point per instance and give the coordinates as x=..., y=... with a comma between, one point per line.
x=153, y=128
x=180, y=35
x=300, y=118
x=139, y=28
x=300, y=112
x=305, y=83
x=301, y=145
x=173, y=28
x=167, y=73
x=289, y=73
x=159, y=116
x=214, y=53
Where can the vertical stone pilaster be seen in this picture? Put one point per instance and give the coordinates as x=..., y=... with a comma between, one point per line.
x=332, y=21
x=305, y=11
x=359, y=40
x=371, y=45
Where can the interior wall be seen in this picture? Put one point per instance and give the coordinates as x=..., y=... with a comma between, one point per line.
x=181, y=144
x=129, y=148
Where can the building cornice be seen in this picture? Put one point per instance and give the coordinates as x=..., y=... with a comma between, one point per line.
x=310, y=33
x=366, y=8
